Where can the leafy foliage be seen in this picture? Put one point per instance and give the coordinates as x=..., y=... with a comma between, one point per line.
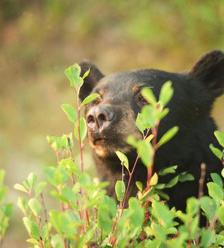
x=84, y=216
x=5, y=208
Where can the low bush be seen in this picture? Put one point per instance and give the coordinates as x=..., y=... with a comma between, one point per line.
x=84, y=216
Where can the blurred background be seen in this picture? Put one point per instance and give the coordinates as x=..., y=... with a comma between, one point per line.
x=40, y=38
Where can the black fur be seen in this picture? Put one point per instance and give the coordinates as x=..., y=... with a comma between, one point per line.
x=190, y=108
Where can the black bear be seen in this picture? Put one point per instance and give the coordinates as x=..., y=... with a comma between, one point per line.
x=111, y=119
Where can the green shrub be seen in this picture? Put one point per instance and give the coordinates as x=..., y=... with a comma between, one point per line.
x=5, y=208
x=85, y=216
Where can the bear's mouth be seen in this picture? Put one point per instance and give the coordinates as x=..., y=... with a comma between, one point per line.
x=100, y=141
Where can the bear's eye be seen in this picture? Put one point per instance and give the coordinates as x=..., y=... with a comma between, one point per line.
x=98, y=99
x=140, y=99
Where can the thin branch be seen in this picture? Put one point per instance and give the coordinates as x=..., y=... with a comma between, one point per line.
x=44, y=207
x=202, y=180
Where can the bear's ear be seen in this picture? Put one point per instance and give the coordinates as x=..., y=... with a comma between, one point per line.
x=210, y=71
x=91, y=80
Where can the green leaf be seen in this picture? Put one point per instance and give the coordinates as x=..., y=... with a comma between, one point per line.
x=185, y=177
x=123, y=158
x=215, y=191
x=90, y=98
x=162, y=213
x=73, y=75
x=154, y=179
x=149, y=116
x=163, y=114
x=135, y=213
x=33, y=242
x=139, y=185
x=31, y=179
x=172, y=182
x=82, y=127
x=218, y=153
x=140, y=123
x=57, y=241
x=56, y=175
x=35, y=206
x=131, y=140
x=23, y=205
x=220, y=214
x=178, y=241
x=68, y=195
x=20, y=188
x=207, y=238
x=208, y=206
x=222, y=172
x=69, y=164
x=106, y=213
x=148, y=94
x=40, y=187
x=32, y=228
x=166, y=93
x=120, y=190
x=168, y=135
x=60, y=142
x=70, y=112
x=168, y=170
x=145, y=151
x=8, y=209
x=192, y=206
x=66, y=223
x=2, y=175
x=217, y=179
x=220, y=137
x=86, y=74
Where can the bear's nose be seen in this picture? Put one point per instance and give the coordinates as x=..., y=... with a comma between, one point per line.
x=99, y=117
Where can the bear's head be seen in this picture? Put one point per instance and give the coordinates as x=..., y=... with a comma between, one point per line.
x=111, y=118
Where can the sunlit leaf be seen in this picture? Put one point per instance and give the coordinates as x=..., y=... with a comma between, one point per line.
x=90, y=98
x=86, y=74
x=220, y=137
x=218, y=153
x=35, y=206
x=154, y=179
x=168, y=135
x=20, y=188
x=81, y=129
x=120, y=190
x=166, y=93
x=215, y=191
x=70, y=112
x=148, y=94
x=208, y=205
x=73, y=75
x=123, y=158
x=145, y=151
x=168, y=170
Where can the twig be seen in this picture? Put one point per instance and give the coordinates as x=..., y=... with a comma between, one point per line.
x=44, y=206
x=202, y=180
x=122, y=205
x=79, y=132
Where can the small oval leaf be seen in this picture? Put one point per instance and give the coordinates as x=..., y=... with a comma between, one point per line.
x=120, y=190
x=168, y=136
x=70, y=112
x=218, y=153
x=220, y=137
x=123, y=158
x=166, y=93
x=90, y=98
x=82, y=128
x=148, y=94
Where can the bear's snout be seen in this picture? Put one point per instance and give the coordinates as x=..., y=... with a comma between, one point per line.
x=99, y=118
